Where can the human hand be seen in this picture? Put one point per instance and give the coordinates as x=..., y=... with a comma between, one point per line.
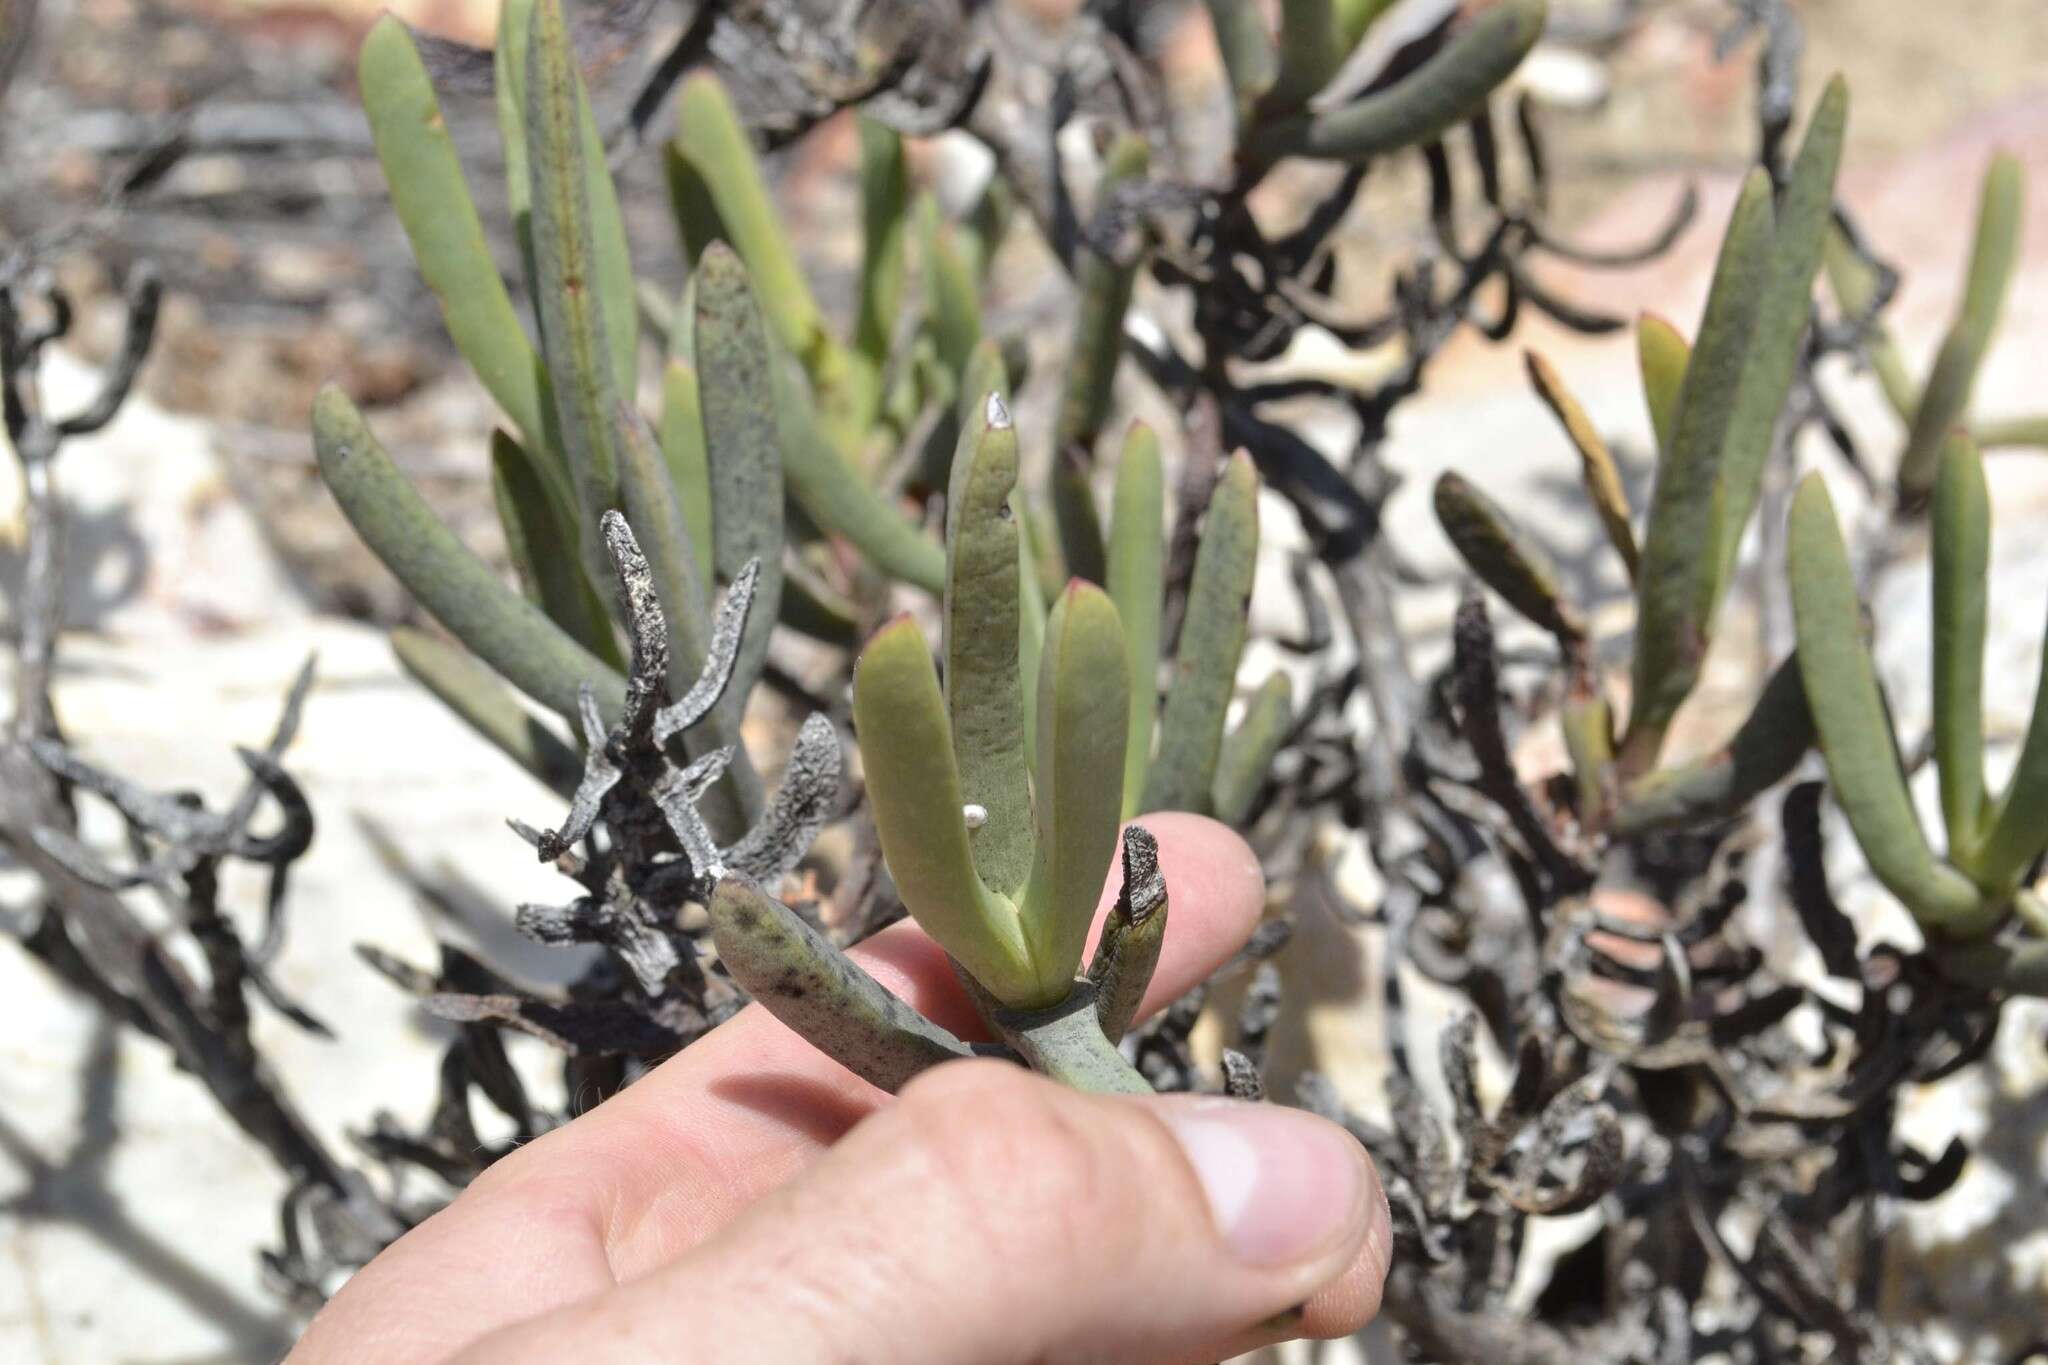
x=750, y=1200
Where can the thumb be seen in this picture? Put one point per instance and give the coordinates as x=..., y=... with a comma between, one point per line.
x=991, y=1217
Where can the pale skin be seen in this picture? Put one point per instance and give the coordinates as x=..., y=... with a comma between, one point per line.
x=752, y=1201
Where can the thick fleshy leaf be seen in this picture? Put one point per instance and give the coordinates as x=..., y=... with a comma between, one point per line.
x=474, y=693
x=914, y=789
x=743, y=436
x=2017, y=830
x=1854, y=285
x=575, y=335
x=984, y=696
x=1663, y=354
x=1424, y=104
x=1854, y=730
x=710, y=138
x=1137, y=572
x=459, y=590
x=1676, y=584
x=1105, y=297
x=1763, y=753
x=952, y=299
x=682, y=446
x=1506, y=559
x=885, y=212
x=1962, y=586
x=1805, y=217
x=1212, y=635
x=1587, y=722
x=536, y=530
x=1083, y=707
x=431, y=198
x=1248, y=750
x=820, y=992
x=839, y=499
x=1946, y=399
x=657, y=520
x=1031, y=614
x=1316, y=37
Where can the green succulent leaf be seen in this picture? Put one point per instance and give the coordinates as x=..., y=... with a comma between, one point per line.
x=1962, y=568
x=1764, y=751
x=820, y=992
x=1506, y=559
x=834, y=495
x=984, y=696
x=474, y=693
x=574, y=331
x=1248, y=750
x=698, y=223
x=1082, y=550
x=1675, y=591
x=459, y=590
x=914, y=788
x=885, y=213
x=1316, y=37
x=1854, y=285
x=682, y=446
x=1137, y=578
x=1083, y=708
x=1805, y=217
x=657, y=521
x=952, y=298
x=1183, y=772
x=536, y=527
x=1587, y=722
x=1854, y=730
x=1993, y=257
x=1428, y=102
x=1031, y=614
x=736, y=389
x=2017, y=829
x=711, y=140
x=508, y=78
x=433, y=204
x=1663, y=355
x=1105, y=297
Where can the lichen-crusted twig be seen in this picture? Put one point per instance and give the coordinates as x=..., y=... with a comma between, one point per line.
x=84, y=930
x=1128, y=951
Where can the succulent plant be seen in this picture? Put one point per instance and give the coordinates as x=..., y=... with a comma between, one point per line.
x=1965, y=895
x=1039, y=732
x=703, y=486
x=1179, y=755
x=1931, y=410
x=1713, y=407
x=998, y=834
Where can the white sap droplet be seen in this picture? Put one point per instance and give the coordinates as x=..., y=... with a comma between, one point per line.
x=998, y=413
x=975, y=816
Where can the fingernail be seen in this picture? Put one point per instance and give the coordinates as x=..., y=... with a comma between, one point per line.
x=1283, y=1186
